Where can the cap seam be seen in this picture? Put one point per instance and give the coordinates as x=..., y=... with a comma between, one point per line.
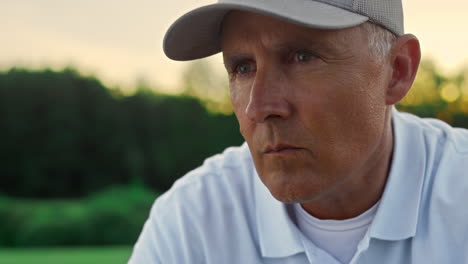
x=338, y=4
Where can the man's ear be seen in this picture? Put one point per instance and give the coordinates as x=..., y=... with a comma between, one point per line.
x=405, y=56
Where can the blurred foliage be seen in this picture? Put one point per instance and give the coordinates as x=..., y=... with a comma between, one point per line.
x=202, y=81
x=65, y=135
x=113, y=216
x=66, y=255
x=437, y=95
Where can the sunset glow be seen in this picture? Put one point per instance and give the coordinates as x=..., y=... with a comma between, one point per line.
x=121, y=41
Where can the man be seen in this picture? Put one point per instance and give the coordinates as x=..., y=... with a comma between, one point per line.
x=330, y=172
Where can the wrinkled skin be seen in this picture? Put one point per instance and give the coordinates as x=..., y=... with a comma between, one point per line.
x=313, y=106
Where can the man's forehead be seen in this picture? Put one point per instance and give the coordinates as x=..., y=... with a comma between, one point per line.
x=242, y=29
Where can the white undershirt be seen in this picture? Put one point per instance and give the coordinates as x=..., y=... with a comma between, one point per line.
x=337, y=237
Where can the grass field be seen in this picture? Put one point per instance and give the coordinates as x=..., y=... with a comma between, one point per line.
x=91, y=255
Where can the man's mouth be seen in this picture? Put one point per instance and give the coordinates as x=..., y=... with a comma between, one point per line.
x=281, y=149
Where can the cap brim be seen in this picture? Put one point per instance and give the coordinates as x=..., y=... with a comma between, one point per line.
x=197, y=34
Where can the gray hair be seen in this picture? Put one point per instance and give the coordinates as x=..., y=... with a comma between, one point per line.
x=380, y=40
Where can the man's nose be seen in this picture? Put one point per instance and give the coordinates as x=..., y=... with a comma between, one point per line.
x=268, y=96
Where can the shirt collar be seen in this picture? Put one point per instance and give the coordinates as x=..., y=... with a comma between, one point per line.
x=277, y=233
x=397, y=216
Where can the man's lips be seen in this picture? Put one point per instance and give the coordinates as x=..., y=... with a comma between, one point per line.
x=280, y=148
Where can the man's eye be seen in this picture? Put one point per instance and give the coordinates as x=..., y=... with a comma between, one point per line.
x=244, y=68
x=303, y=56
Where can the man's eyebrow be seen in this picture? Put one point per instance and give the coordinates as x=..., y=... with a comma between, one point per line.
x=318, y=45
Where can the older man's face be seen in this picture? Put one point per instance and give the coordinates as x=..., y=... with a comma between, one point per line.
x=310, y=103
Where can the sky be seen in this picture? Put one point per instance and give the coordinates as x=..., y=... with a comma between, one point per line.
x=120, y=41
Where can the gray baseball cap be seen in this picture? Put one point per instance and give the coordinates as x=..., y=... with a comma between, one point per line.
x=197, y=34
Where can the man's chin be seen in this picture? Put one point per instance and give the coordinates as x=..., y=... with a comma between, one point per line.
x=289, y=194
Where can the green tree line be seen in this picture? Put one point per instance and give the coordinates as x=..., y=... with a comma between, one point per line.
x=63, y=134
x=67, y=135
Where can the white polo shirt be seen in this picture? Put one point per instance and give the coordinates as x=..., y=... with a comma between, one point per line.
x=339, y=238
x=221, y=213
